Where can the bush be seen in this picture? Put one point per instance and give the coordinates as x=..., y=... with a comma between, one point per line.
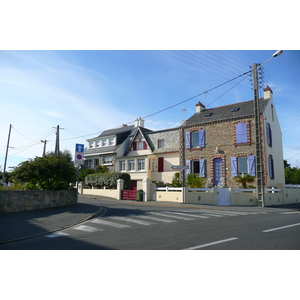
x=194, y=181
x=108, y=180
x=45, y=173
x=176, y=182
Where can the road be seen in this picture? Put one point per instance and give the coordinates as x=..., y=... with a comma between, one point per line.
x=131, y=226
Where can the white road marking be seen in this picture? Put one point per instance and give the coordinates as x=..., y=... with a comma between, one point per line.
x=157, y=219
x=87, y=228
x=131, y=220
x=211, y=244
x=171, y=216
x=282, y=227
x=108, y=223
x=290, y=212
x=57, y=234
x=187, y=214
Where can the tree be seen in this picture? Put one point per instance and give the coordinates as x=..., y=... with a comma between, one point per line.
x=63, y=154
x=46, y=173
x=194, y=181
x=244, y=179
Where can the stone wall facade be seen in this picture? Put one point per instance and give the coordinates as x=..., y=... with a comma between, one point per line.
x=220, y=142
x=13, y=201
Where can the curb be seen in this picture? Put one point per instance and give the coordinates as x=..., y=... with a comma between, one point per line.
x=94, y=215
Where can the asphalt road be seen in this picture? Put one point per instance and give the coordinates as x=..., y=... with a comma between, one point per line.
x=131, y=226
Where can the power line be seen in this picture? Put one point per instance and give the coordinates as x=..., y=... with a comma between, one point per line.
x=197, y=95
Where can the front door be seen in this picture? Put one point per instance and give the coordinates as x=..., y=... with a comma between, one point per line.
x=217, y=170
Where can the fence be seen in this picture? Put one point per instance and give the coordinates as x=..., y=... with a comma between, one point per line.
x=284, y=194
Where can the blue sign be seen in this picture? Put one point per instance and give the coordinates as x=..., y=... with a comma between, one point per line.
x=79, y=148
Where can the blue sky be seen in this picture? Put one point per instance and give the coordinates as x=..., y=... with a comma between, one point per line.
x=86, y=92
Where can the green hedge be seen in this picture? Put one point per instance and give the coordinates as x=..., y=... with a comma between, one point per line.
x=108, y=180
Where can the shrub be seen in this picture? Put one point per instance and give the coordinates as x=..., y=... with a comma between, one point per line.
x=45, y=173
x=194, y=181
x=176, y=182
x=108, y=180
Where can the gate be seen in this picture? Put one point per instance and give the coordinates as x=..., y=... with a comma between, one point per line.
x=223, y=196
x=129, y=195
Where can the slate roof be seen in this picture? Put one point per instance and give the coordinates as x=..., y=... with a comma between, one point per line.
x=115, y=131
x=221, y=113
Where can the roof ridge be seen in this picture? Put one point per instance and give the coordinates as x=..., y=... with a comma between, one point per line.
x=229, y=104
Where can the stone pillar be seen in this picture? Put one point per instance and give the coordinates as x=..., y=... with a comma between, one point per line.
x=80, y=187
x=146, y=189
x=120, y=188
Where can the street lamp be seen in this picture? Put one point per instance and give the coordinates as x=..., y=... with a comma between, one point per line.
x=258, y=146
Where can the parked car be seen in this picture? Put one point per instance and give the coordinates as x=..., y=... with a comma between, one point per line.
x=4, y=184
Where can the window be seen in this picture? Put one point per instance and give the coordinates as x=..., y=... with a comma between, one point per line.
x=271, y=167
x=92, y=144
x=104, y=143
x=111, y=141
x=141, y=164
x=139, y=146
x=131, y=166
x=161, y=143
x=107, y=160
x=195, y=139
x=98, y=144
x=241, y=136
x=243, y=165
x=235, y=109
x=198, y=167
x=208, y=114
x=269, y=134
x=122, y=165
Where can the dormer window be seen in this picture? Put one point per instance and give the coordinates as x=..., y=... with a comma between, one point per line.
x=208, y=114
x=235, y=109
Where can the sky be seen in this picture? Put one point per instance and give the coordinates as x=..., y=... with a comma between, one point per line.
x=86, y=92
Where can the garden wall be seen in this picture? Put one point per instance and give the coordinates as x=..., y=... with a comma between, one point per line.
x=13, y=201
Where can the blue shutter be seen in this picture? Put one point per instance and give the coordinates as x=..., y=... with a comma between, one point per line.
x=271, y=167
x=241, y=133
x=202, y=167
x=188, y=140
x=269, y=134
x=251, y=165
x=234, y=172
x=202, y=138
x=188, y=163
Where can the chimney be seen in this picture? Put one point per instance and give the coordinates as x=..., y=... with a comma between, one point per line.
x=139, y=122
x=199, y=107
x=268, y=92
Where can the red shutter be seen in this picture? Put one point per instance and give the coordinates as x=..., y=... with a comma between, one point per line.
x=145, y=145
x=160, y=164
x=134, y=146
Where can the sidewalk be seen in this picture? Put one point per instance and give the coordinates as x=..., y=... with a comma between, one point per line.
x=27, y=224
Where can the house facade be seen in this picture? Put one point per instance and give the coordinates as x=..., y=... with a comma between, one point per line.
x=165, y=154
x=103, y=150
x=219, y=143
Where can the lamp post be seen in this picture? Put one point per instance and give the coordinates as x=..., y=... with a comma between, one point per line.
x=258, y=145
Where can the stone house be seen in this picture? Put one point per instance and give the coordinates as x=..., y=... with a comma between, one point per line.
x=219, y=143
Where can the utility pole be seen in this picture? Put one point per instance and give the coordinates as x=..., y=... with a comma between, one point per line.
x=57, y=140
x=44, y=149
x=3, y=176
x=258, y=146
